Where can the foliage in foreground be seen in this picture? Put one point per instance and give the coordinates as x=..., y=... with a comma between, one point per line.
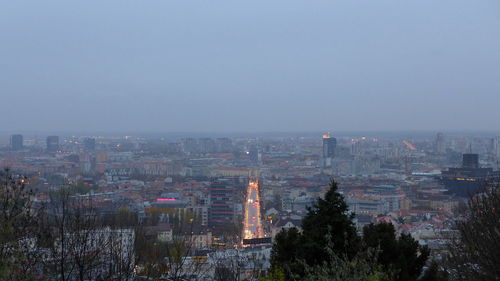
x=17, y=221
x=329, y=247
x=474, y=248
x=402, y=255
x=362, y=267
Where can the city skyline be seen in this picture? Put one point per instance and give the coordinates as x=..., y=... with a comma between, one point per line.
x=221, y=196
x=264, y=140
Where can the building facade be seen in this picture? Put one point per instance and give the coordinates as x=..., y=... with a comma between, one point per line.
x=329, y=147
x=221, y=202
x=52, y=143
x=16, y=142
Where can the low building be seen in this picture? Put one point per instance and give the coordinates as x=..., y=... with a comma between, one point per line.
x=286, y=223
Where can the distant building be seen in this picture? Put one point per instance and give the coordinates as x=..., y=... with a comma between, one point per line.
x=16, y=142
x=224, y=145
x=470, y=161
x=207, y=145
x=497, y=147
x=285, y=223
x=198, y=236
x=101, y=157
x=253, y=154
x=468, y=179
x=493, y=148
x=52, y=143
x=286, y=203
x=221, y=203
x=301, y=203
x=162, y=232
x=329, y=147
x=89, y=144
x=170, y=200
x=440, y=144
x=369, y=206
x=231, y=171
x=189, y=145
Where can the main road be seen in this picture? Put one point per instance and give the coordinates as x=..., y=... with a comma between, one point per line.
x=252, y=225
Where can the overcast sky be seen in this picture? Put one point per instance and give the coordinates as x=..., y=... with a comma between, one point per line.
x=160, y=66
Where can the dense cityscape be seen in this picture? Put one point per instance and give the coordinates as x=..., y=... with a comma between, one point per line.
x=280, y=140
x=228, y=197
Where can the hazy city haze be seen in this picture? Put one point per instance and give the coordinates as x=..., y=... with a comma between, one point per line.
x=253, y=66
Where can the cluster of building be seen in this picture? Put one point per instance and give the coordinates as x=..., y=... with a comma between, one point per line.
x=196, y=186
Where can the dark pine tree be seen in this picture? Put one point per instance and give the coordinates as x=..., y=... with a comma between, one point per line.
x=285, y=252
x=329, y=223
x=404, y=257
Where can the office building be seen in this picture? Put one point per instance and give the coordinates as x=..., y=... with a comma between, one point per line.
x=52, y=143
x=468, y=179
x=207, y=145
x=470, y=160
x=440, y=147
x=495, y=147
x=221, y=202
x=329, y=147
x=16, y=142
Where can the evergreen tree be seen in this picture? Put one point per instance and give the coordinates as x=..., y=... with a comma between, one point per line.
x=275, y=274
x=286, y=251
x=362, y=267
x=329, y=221
x=328, y=226
x=403, y=256
x=329, y=243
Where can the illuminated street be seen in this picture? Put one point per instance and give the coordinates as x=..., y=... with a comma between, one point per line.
x=252, y=226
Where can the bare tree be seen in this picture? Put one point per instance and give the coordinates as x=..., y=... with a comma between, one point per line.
x=172, y=260
x=474, y=246
x=79, y=247
x=18, y=221
x=119, y=259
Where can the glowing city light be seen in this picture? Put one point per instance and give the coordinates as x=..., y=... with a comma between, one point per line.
x=252, y=225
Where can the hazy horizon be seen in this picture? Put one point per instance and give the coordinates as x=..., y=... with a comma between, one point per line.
x=173, y=136
x=280, y=66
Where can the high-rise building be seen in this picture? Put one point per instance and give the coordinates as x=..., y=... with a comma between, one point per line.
x=16, y=142
x=89, y=144
x=221, y=202
x=189, y=145
x=440, y=144
x=495, y=147
x=52, y=143
x=207, y=145
x=329, y=147
x=470, y=160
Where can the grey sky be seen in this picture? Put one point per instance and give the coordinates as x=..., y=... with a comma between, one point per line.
x=249, y=65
